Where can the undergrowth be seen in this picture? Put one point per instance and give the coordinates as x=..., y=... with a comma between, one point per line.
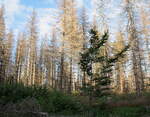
x=55, y=102
x=51, y=101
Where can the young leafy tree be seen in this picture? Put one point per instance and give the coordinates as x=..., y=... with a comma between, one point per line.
x=100, y=81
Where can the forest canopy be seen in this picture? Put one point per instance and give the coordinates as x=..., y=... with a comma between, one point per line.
x=59, y=58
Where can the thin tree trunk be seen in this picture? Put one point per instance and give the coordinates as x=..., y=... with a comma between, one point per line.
x=70, y=81
x=61, y=70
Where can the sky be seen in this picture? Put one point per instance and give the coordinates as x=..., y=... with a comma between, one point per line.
x=18, y=12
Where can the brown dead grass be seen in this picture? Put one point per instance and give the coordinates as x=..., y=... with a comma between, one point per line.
x=140, y=101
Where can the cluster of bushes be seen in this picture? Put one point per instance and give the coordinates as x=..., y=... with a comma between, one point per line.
x=122, y=112
x=19, y=97
x=50, y=101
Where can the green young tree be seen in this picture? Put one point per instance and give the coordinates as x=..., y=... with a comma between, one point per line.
x=99, y=80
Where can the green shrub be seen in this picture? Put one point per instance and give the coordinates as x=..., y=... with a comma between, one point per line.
x=55, y=102
x=58, y=102
x=50, y=100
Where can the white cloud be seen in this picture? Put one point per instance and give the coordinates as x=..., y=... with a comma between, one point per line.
x=80, y=3
x=47, y=19
x=12, y=7
x=46, y=16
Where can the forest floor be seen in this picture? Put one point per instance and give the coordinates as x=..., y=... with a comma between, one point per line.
x=17, y=100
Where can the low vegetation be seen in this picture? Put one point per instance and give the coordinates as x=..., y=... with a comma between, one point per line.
x=21, y=98
x=49, y=100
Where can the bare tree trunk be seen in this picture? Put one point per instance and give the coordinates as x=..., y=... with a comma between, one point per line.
x=2, y=46
x=70, y=79
x=61, y=71
x=135, y=49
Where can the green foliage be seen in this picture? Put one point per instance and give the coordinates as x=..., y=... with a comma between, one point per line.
x=50, y=101
x=129, y=112
x=117, y=112
x=16, y=92
x=58, y=102
x=87, y=89
x=90, y=56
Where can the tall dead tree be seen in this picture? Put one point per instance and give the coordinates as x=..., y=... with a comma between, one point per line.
x=54, y=57
x=32, y=50
x=63, y=8
x=119, y=44
x=136, y=56
x=75, y=41
x=145, y=32
x=71, y=41
x=85, y=29
x=41, y=63
x=8, y=54
x=20, y=58
x=2, y=44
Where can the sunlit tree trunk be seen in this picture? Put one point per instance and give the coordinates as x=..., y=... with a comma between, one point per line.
x=8, y=54
x=20, y=58
x=85, y=29
x=2, y=44
x=135, y=48
x=32, y=51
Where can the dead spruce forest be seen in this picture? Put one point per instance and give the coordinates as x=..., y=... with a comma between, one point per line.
x=82, y=55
